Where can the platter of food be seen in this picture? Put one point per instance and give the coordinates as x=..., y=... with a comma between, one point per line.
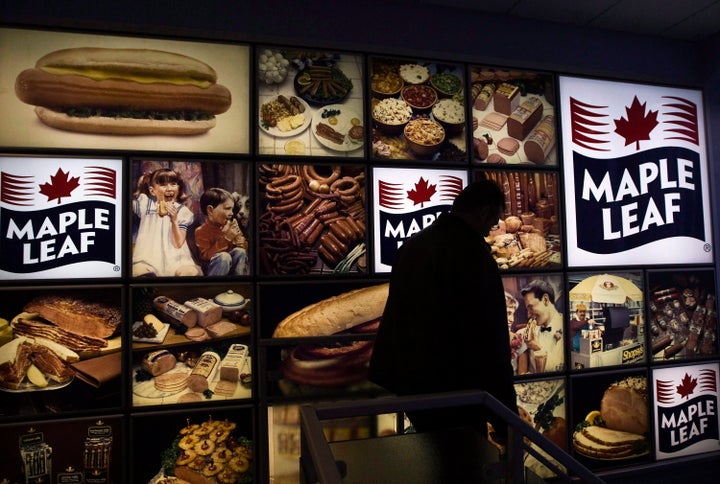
x=338, y=128
x=601, y=443
x=35, y=364
x=322, y=84
x=284, y=116
x=150, y=330
x=211, y=452
x=169, y=383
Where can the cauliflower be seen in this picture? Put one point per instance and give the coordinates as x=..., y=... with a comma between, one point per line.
x=272, y=67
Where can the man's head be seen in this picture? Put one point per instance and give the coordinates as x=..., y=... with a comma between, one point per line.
x=581, y=311
x=539, y=298
x=480, y=204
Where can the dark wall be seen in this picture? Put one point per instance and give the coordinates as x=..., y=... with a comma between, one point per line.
x=395, y=27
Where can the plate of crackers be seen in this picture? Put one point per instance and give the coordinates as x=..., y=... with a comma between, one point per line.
x=211, y=449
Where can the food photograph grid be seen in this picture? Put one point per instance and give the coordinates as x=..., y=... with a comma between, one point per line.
x=311, y=103
x=192, y=357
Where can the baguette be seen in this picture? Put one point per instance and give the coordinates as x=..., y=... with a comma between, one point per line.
x=335, y=314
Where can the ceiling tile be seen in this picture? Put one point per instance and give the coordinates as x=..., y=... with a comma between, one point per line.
x=562, y=11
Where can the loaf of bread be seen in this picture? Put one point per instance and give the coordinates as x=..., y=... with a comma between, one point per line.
x=335, y=314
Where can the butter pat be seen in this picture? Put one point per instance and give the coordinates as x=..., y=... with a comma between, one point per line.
x=207, y=311
x=232, y=364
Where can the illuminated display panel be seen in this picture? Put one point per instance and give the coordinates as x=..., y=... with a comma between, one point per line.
x=537, y=336
x=406, y=200
x=74, y=338
x=513, y=116
x=61, y=218
x=682, y=314
x=529, y=233
x=27, y=124
x=312, y=219
x=210, y=201
x=606, y=320
x=417, y=110
x=612, y=407
x=636, y=179
x=686, y=412
x=309, y=103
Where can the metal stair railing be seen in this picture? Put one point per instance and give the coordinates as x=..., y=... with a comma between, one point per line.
x=317, y=464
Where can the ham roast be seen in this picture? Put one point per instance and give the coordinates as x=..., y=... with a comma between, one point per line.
x=624, y=406
x=94, y=319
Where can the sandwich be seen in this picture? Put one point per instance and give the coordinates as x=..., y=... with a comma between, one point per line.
x=339, y=363
x=123, y=91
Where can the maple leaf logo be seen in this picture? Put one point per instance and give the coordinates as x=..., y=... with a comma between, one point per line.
x=638, y=125
x=687, y=386
x=422, y=192
x=61, y=185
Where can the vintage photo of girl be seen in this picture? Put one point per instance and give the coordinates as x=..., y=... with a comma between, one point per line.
x=167, y=210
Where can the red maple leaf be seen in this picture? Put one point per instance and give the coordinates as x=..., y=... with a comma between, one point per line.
x=638, y=125
x=60, y=185
x=422, y=192
x=687, y=386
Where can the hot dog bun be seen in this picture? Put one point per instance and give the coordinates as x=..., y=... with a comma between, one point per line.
x=335, y=314
x=144, y=65
x=123, y=126
x=123, y=91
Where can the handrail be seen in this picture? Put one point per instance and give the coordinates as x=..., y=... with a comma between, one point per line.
x=317, y=458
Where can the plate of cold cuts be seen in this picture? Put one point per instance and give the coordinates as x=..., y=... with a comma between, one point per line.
x=338, y=128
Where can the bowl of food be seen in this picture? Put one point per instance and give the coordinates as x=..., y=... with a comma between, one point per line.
x=391, y=115
x=419, y=97
x=450, y=114
x=386, y=84
x=424, y=136
x=230, y=301
x=446, y=84
x=414, y=73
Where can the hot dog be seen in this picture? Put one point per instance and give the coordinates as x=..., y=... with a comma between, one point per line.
x=123, y=91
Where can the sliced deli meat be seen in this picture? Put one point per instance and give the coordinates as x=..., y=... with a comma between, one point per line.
x=88, y=318
x=72, y=341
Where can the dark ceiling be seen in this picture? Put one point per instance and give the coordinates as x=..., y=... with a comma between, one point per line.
x=691, y=20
